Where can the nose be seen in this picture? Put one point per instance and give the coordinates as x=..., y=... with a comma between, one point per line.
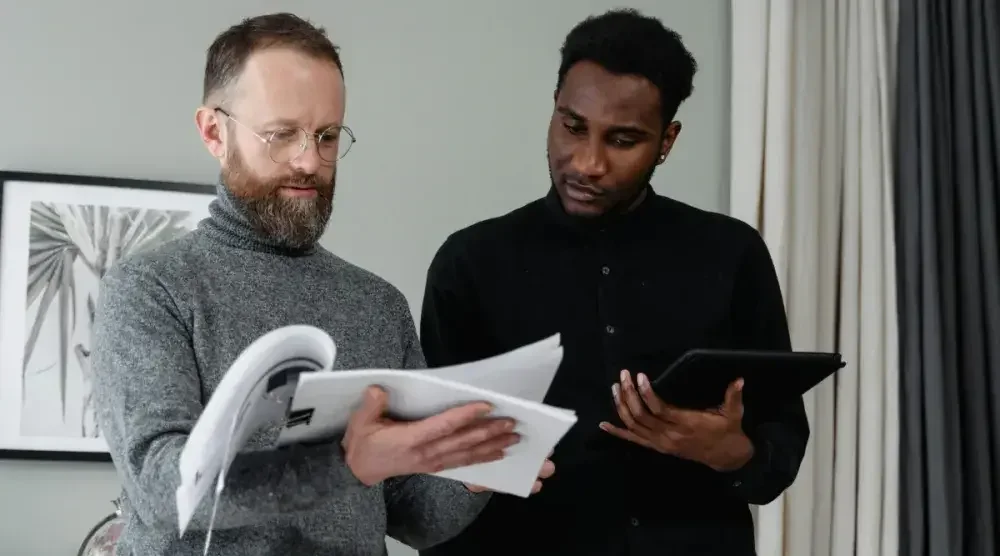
x=308, y=161
x=591, y=158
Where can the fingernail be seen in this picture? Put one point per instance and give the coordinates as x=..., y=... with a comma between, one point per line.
x=643, y=381
x=509, y=425
x=614, y=390
x=623, y=376
x=604, y=425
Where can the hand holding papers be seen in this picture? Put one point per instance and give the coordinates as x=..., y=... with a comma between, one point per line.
x=287, y=377
x=377, y=448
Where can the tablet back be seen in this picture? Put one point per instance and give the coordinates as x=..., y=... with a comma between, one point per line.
x=699, y=378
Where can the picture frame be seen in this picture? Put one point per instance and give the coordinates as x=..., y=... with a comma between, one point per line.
x=59, y=233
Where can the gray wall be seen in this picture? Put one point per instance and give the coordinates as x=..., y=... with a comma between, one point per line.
x=450, y=115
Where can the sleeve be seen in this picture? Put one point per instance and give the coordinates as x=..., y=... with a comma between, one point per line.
x=780, y=433
x=450, y=328
x=148, y=396
x=424, y=510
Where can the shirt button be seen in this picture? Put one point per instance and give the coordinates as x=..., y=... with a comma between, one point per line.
x=610, y=329
x=635, y=522
x=605, y=270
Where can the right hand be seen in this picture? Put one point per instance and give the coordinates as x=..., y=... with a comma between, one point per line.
x=377, y=448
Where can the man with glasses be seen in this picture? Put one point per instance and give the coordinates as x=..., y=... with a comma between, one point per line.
x=170, y=321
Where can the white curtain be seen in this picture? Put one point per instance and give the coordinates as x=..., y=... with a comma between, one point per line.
x=811, y=152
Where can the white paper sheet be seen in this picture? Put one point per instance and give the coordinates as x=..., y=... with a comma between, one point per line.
x=525, y=372
x=256, y=393
x=324, y=402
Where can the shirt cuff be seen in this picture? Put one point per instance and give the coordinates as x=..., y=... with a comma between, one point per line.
x=756, y=467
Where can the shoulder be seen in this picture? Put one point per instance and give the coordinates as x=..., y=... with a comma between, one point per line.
x=145, y=289
x=709, y=231
x=160, y=266
x=485, y=236
x=716, y=224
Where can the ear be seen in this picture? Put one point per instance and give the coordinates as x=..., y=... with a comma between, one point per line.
x=211, y=130
x=669, y=136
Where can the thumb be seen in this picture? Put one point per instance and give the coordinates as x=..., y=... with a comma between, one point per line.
x=734, y=398
x=373, y=405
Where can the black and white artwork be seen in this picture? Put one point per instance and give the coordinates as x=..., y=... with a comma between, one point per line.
x=58, y=236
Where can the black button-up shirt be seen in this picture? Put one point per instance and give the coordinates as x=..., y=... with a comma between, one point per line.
x=630, y=292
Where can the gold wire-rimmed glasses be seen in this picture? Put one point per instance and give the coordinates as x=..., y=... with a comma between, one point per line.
x=287, y=144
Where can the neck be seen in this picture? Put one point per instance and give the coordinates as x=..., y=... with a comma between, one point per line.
x=228, y=224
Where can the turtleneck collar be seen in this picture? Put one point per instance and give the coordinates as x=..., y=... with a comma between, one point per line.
x=228, y=225
x=599, y=224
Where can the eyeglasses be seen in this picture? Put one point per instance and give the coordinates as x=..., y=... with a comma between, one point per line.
x=285, y=145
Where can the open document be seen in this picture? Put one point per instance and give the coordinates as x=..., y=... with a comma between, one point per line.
x=286, y=377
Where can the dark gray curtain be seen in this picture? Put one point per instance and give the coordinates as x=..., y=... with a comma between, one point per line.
x=948, y=168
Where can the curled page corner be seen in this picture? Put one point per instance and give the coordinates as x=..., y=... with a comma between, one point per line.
x=256, y=391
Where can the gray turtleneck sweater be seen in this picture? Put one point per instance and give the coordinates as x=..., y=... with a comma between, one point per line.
x=169, y=323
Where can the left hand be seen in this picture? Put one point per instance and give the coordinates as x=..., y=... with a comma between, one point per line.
x=548, y=468
x=714, y=437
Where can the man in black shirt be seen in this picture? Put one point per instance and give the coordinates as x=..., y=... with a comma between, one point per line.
x=631, y=280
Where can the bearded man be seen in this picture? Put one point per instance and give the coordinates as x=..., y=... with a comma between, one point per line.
x=170, y=321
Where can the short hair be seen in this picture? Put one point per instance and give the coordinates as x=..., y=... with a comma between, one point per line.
x=228, y=53
x=626, y=42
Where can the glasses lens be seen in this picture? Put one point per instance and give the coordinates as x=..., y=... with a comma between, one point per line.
x=286, y=144
x=334, y=144
x=345, y=143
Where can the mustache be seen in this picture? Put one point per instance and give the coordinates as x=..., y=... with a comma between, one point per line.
x=271, y=187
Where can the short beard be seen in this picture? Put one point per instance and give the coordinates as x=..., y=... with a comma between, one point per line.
x=291, y=222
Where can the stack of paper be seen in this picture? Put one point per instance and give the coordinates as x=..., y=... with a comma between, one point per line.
x=514, y=383
x=273, y=381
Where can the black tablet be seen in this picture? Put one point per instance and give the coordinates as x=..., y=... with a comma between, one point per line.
x=699, y=378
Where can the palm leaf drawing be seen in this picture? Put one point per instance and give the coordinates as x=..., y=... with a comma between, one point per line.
x=97, y=236
x=50, y=275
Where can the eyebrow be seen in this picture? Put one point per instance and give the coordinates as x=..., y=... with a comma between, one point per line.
x=285, y=122
x=632, y=129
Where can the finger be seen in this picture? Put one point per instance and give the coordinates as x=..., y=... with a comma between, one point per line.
x=498, y=430
x=548, y=468
x=733, y=404
x=373, y=405
x=626, y=434
x=475, y=488
x=448, y=421
x=623, y=411
x=652, y=401
x=537, y=487
x=634, y=402
x=492, y=450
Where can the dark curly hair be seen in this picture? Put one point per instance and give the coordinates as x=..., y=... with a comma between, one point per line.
x=624, y=41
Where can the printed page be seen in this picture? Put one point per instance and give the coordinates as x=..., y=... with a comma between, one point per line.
x=253, y=394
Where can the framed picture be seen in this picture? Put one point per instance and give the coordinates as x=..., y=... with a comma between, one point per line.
x=58, y=236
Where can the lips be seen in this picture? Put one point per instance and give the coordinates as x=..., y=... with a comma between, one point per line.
x=581, y=192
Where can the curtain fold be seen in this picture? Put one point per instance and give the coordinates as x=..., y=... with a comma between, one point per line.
x=811, y=154
x=948, y=137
